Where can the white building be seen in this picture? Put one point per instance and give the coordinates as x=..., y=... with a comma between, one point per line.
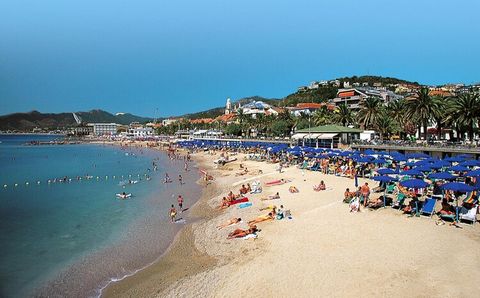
x=167, y=122
x=140, y=132
x=101, y=129
x=258, y=107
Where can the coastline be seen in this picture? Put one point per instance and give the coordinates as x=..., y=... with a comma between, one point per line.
x=180, y=260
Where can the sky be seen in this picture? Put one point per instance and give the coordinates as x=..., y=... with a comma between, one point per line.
x=164, y=58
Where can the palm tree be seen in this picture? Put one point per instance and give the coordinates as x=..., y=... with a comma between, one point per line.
x=343, y=114
x=421, y=106
x=396, y=111
x=384, y=124
x=322, y=116
x=370, y=111
x=465, y=111
x=439, y=113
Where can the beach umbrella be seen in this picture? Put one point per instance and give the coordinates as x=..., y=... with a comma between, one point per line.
x=475, y=173
x=471, y=163
x=386, y=171
x=442, y=176
x=457, y=186
x=454, y=159
x=414, y=183
x=384, y=179
x=423, y=168
x=439, y=164
x=459, y=168
x=379, y=161
x=412, y=172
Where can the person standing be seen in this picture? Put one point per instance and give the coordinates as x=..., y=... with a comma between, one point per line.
x=180, y=202
x=173, y=213
x=180, y=179
x=365, y=193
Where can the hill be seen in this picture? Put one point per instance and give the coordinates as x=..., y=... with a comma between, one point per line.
x=30, y=120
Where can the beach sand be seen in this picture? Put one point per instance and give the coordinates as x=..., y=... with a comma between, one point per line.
x=323, y=251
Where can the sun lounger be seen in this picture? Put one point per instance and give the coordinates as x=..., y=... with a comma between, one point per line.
x=468, y=215
x=391, y=189
x=399, y=202
x=429, y=207
x=450, y=217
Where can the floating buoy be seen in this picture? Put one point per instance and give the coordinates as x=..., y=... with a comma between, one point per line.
x=113, y=176
x=38, y=182
x=138, y=175
x=4, y=186
x=26, y=183
x=106, y=177
x=49, y=181
x=98, y=177
x=16, y=184
x=129, y=176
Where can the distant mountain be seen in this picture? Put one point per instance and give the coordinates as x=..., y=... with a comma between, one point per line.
x=30, y=120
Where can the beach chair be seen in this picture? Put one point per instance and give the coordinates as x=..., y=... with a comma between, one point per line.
x=399, y=202
x=468, y=215
x=429, y=207
x=390, y=188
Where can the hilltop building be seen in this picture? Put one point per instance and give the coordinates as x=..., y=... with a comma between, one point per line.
x=354, y=97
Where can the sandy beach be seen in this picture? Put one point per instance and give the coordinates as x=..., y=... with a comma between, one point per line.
x=323, y=251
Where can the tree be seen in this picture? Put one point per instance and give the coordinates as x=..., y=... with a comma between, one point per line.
x=465, y=111
x=439, y=113
x=420, y=106
x=370, y=111
x=396, y=111
x=322, y=116
x=384, y=124
x=280, y=128
x=343, y=114
x=233, y=129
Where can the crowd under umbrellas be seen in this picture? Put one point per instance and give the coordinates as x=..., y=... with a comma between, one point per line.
x=426, y=178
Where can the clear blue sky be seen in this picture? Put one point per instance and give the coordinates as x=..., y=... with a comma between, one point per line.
x=187, y=55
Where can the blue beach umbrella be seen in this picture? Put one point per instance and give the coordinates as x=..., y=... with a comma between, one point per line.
x=475, y=173
x=423, y=169
x=442, y=176
x=440, y=164
x=414, y=183
x=459, y=168
x=386, y=171
x=471, y=163
x=411, y=172
x=379, y=161
x=454, y=159
x=457, y=186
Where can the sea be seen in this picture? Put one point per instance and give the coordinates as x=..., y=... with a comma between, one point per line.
x=63, y=230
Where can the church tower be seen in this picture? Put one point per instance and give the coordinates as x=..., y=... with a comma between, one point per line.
x=228, y=107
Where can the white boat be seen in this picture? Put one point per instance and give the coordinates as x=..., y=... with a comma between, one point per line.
x=124, y=196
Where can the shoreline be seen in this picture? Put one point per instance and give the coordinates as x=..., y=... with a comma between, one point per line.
x=181, y=259
x=78, y=267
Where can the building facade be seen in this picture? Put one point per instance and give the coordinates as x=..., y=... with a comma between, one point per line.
x=102, y=129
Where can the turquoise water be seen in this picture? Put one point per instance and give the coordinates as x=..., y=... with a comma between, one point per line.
x=71, y=238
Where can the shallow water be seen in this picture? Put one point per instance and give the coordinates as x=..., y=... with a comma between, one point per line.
x=71, y=238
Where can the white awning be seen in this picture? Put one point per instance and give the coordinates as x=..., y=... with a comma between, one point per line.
x=298, y=136
x=313, y=135
x=327, y=136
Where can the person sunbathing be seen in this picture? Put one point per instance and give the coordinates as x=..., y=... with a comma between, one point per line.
x=243, y=189
x=225, y=203
x=249, y=188
x=262, y=218
x=229, y=223
x=320, y=187
x=348, y=196
x=375, y=203
x=447, y=209
x=231, y=196
x=272, y=208
x=293, y=189
x=239, y=233
x=272, y=197
x=241, y=173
